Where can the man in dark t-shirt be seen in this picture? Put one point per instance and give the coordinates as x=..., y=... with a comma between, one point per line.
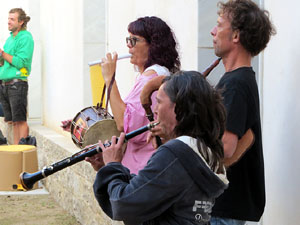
x=242, y=31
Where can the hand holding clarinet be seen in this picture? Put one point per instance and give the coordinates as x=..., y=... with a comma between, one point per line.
x=111, y=152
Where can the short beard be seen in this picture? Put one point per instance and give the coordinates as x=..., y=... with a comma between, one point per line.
x=14, y=29
x=217, y=53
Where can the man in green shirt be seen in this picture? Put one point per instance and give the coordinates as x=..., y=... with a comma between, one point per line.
x=16, y=57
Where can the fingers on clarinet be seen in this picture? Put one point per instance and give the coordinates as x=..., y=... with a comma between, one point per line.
x=100, y=144
x=122, y=137
x=113, y=140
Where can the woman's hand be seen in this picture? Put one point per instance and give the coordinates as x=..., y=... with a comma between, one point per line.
x=108, y=66
x=113, y=153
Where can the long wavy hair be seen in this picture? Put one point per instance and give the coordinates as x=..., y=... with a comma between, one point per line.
x=161, y=40
x=253, y=23
x=200, y=113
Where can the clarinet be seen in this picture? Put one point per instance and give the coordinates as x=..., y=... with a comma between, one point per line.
x=207, y=71
x=29, y=179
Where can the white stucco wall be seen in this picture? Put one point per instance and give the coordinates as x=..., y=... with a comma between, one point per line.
x=62, y=60
x=73, y=34
x=281, y=115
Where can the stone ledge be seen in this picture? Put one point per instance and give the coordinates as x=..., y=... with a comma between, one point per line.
x=72, y=186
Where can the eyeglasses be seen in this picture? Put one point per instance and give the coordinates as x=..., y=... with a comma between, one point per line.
x=132, y=40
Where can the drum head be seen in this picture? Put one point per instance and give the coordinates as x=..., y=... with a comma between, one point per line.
x=101, y=130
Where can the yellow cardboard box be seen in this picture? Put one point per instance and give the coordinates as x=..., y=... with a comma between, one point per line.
x=15, y=159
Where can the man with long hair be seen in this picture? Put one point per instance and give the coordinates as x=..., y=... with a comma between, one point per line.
x=17, y=58
x=185, y=175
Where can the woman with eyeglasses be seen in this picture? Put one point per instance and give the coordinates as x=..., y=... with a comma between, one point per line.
x=154, y=52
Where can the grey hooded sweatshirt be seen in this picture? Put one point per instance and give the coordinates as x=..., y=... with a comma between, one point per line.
x=177, y=187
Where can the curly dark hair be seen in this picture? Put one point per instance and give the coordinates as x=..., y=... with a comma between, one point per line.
x=253, y=23
x=22, y=17
x=200, y=113
x=161, y=40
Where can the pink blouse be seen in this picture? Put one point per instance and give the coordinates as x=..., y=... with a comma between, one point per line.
x=138, y=152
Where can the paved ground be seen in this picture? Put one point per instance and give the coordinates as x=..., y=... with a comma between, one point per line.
x=34, y=207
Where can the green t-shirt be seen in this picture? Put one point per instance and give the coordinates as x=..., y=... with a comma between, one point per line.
x=21, y=48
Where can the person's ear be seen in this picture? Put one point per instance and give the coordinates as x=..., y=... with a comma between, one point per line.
x=236, y=36
x=21, y=22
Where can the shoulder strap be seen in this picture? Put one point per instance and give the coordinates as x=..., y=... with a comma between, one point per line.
x=109, y=89
x=108, y=94
x=102, y=96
